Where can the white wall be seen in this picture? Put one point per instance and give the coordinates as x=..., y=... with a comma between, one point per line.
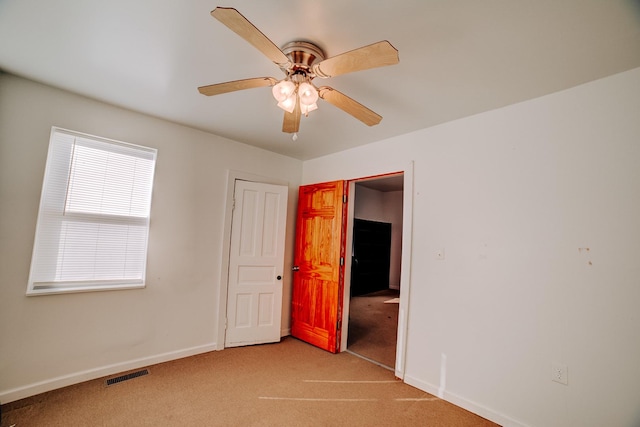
x=50, y=341
x=383, y=206
x=514, y=197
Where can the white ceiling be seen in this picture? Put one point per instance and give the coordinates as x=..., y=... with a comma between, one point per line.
x=457, y=58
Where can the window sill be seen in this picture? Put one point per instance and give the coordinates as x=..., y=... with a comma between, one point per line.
x=61, y=288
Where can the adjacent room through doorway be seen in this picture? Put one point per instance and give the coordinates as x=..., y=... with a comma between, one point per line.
x=375, y=268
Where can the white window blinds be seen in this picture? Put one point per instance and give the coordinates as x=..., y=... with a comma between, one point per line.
x=93, y=221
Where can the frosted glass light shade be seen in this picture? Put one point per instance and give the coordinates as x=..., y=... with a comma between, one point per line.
x=308, y=94
x=288, y=104
x=306, y=109
x=283, y=90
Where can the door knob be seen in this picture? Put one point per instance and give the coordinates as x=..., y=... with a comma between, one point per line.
x=279, y=277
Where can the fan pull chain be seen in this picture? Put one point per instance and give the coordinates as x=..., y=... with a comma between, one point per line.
x=295, y=136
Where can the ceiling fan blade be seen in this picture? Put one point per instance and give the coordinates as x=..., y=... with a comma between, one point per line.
x=291, y=122
x=245, y=29
x=349, y=106
x=372, y=56
x=219, y=88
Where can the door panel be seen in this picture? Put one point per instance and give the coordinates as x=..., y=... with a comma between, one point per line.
x=319, y=280
x=254, y=293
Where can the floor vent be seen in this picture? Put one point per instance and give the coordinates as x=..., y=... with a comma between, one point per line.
x=126, y=377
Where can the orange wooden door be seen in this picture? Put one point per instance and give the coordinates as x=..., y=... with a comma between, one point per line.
x=318, y=278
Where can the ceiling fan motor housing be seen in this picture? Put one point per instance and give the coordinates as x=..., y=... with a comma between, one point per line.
x=302, y=55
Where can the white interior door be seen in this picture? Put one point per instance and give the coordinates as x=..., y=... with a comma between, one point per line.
x=254, y=292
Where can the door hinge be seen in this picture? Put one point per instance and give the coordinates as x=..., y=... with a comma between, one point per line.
x=341, y=261
x=233, y=204
x=339, y=324
x=344, y=198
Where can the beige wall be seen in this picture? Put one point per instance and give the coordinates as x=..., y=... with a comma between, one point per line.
x=49, y=341
x=514, y=196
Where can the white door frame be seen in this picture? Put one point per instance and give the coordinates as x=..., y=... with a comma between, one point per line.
x=405, y=274
x=232, y=176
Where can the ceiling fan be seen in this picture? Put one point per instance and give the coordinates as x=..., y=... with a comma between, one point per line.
x=301, y=62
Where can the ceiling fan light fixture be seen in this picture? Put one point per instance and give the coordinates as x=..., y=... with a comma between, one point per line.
x=283, y=90
x=308, y=94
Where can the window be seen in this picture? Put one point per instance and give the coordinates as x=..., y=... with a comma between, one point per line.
x=93, y=221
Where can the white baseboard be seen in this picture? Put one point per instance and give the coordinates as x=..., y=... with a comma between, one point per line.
x=18, y=393
x=285, y=332
x=469, y=405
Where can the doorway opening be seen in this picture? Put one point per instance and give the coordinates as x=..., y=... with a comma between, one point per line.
x=372, y=283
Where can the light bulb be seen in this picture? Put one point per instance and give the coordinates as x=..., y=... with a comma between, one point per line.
x=307, y=93
x=283, y=90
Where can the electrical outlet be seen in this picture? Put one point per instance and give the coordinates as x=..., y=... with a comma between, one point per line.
x=559, y=373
